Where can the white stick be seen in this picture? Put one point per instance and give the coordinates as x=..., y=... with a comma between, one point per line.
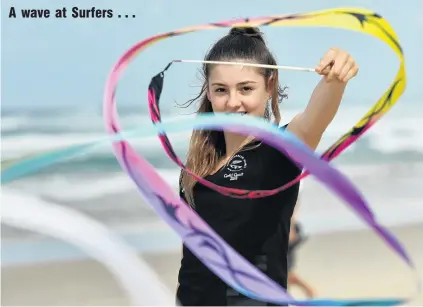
x=249, y=64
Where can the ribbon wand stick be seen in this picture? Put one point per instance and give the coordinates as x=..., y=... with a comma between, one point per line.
x=306, y=69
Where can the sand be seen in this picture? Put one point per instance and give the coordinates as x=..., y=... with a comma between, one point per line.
x=339, y=265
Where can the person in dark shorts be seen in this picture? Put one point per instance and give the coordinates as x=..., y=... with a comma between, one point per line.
x=296, y=239
x=257, y=228
x=294, y=279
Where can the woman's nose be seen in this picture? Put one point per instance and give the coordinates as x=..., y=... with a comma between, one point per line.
x=234, y=102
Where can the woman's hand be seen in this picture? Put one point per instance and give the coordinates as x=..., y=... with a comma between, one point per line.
x=337, y=65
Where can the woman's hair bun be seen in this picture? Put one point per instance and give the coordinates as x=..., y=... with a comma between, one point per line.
x=247, y=31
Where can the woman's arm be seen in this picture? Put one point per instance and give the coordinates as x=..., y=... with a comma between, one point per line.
x=337, y=67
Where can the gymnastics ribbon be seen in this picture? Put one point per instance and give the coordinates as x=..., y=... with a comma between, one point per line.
x=97, y=241
x=180, y=217
x=196, y=234
x=353, y=19
x=215, y=253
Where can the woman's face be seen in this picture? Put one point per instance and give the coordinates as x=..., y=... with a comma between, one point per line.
x=237, y=89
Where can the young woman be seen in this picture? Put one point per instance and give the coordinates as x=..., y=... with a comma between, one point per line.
x=256, y=228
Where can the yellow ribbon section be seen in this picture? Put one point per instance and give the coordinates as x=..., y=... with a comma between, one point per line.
x=360, y=20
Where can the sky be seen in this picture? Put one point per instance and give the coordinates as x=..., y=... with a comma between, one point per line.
x=65, y=62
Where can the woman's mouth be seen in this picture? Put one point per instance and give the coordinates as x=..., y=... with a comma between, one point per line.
x=240, y=113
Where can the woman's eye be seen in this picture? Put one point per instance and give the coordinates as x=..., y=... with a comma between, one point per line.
x=247, y=89
x=219, y=90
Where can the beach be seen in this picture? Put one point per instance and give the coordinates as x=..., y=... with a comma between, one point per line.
x=341, y=258
x=345, y=264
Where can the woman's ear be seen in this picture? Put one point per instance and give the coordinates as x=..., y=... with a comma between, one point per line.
x=270, y=85
x=208, y=93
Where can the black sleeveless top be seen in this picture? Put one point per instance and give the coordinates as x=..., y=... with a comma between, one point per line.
x=257, y=228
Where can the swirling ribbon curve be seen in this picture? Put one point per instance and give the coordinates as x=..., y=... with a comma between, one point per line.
x=196, y=234
x=353, y=19
x=98, y=242
x=212, y=250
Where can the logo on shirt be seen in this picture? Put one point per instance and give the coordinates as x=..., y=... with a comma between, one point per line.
x=236, y=168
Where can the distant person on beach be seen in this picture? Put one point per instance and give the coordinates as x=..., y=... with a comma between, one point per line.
x=257, y=228
x=296, y=239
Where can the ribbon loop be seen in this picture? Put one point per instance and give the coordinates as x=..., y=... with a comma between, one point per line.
x=216, y=254
x=211, y=249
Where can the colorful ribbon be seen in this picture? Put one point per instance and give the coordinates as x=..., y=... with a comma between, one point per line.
x=196, y=234
x=353, y=19
x=181, y=218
